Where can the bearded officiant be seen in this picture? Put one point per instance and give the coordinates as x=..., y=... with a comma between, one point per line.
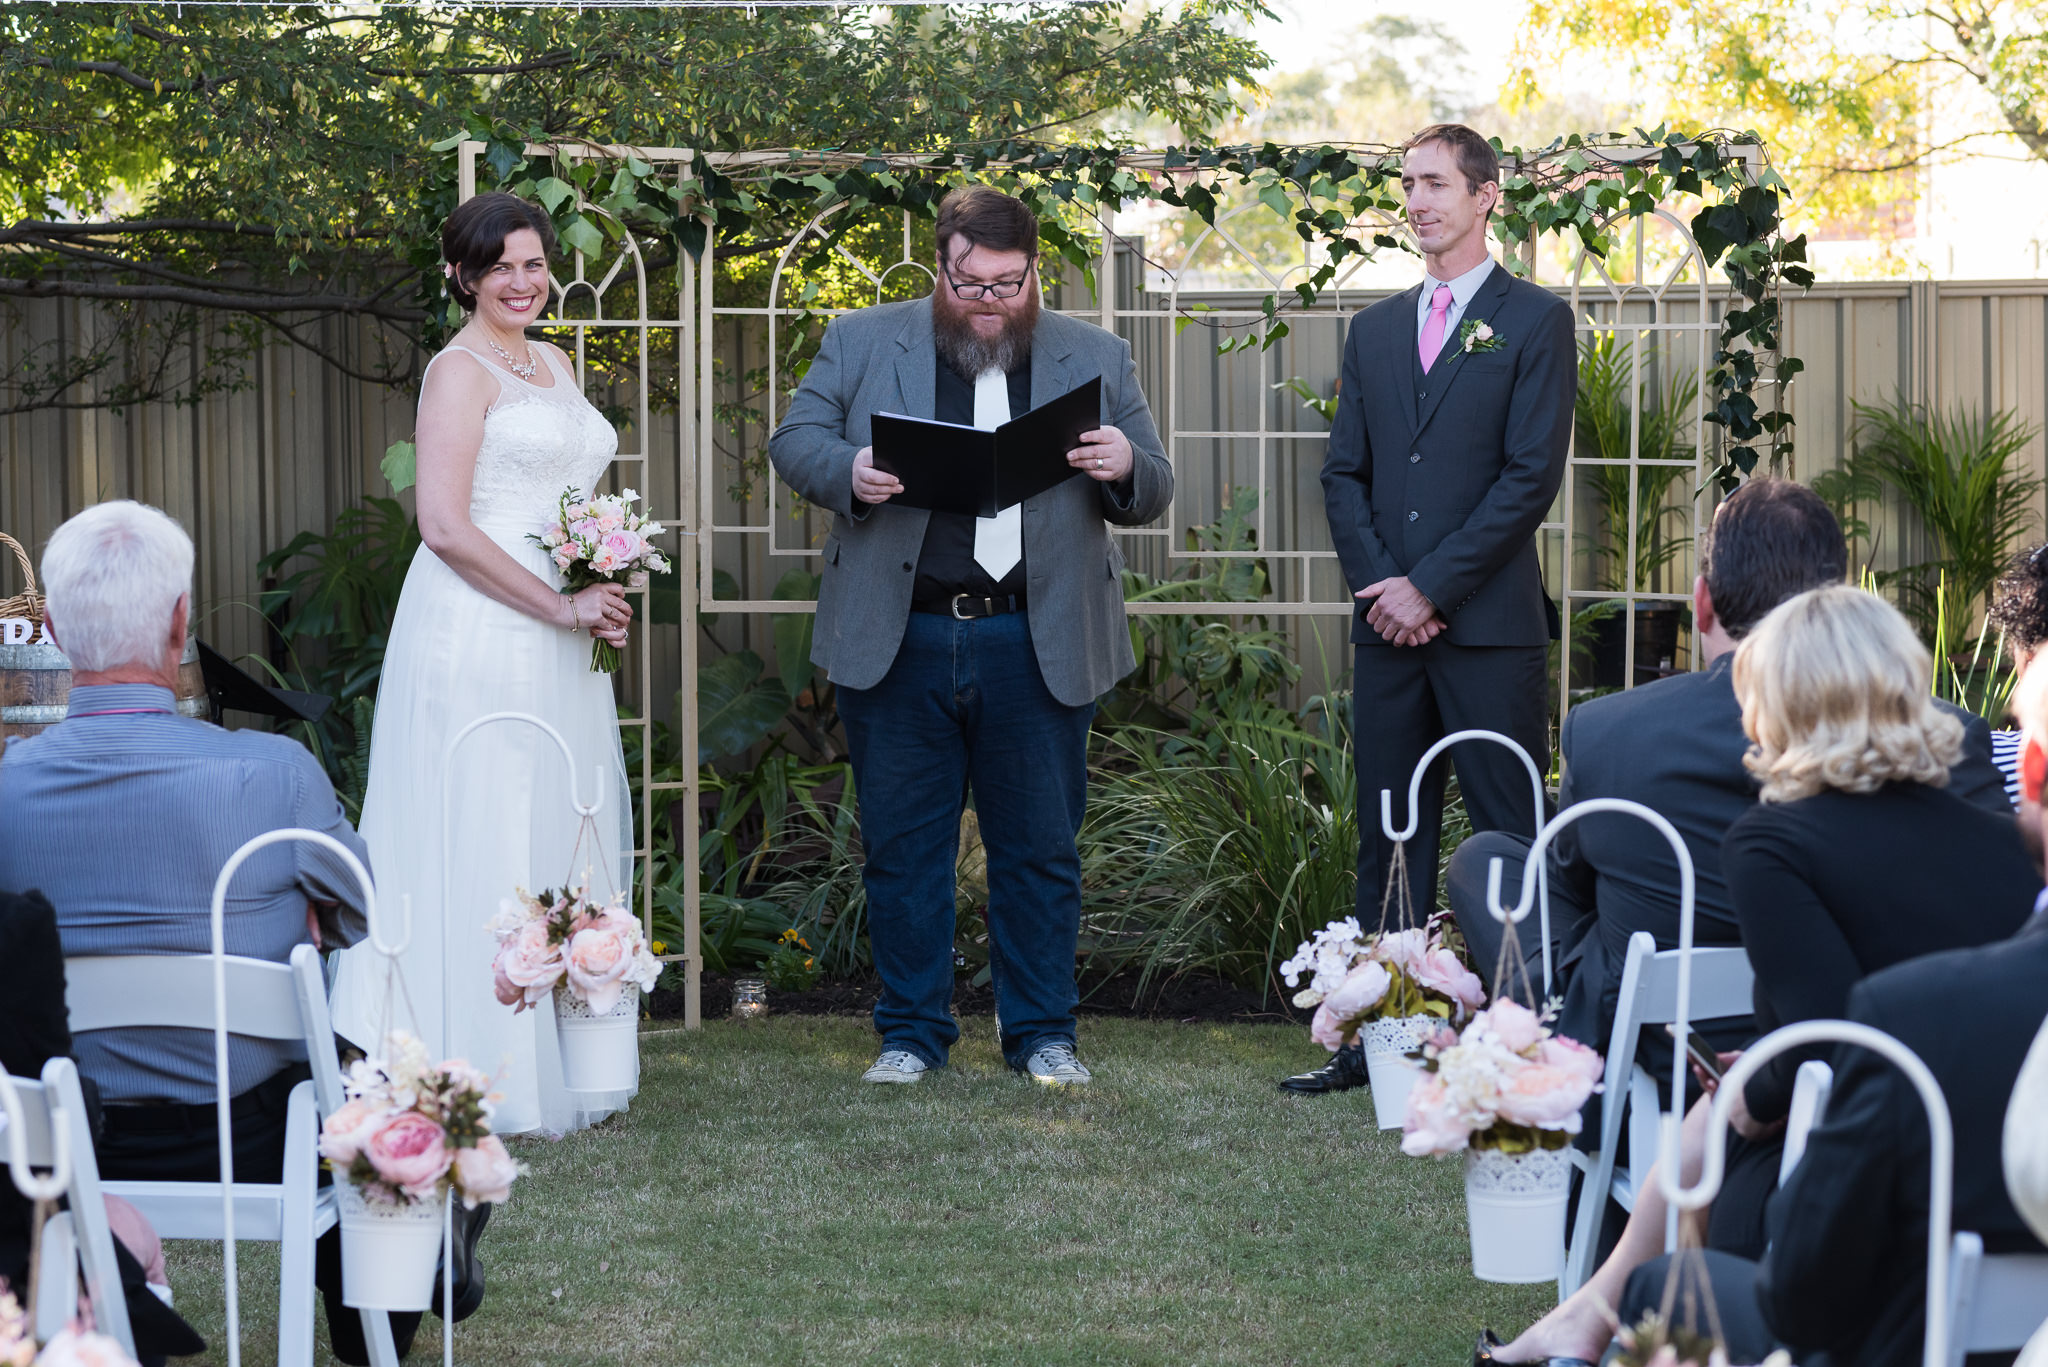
x=969, y=652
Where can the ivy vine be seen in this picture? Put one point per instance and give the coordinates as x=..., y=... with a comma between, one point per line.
x=1346, y=199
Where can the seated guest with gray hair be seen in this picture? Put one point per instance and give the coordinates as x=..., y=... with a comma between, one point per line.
x=123, y=814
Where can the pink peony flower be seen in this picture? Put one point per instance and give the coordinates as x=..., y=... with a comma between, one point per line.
x=598, y=961
x=1440, y=971
x=1546, y=1097
x=528, y=962
x=343, y=1134
x=485, y=1172
x=1336, y=1021
x=1431, y=1125
x=1570, y=1056
x=1514, y=1025
x=410, y=1152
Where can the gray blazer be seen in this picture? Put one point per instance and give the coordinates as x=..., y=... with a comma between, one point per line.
x=882, y=360
x=1444, y=477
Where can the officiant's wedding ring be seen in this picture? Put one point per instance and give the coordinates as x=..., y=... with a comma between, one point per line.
x=1098, y=462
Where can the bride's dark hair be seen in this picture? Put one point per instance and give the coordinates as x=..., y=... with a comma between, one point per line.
x=474, y=236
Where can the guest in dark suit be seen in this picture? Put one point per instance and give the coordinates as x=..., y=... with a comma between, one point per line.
x=1844, y=1279
x=1831, y=877
x=969, y=652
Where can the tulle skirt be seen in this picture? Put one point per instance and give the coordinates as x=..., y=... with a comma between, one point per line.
x=454, y=656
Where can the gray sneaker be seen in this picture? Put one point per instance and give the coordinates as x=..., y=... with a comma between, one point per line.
x=1055, y=1065
x=895, y=1065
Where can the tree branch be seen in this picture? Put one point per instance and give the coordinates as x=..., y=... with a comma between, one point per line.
x=206, y=299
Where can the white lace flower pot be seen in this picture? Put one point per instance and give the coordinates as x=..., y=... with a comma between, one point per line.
x=1514, y=1207
x=1392, y=1074
x=599, y=1053
x=388, y=1252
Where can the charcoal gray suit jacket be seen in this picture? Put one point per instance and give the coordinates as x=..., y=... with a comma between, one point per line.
x=1444, y=477
x=882, y=360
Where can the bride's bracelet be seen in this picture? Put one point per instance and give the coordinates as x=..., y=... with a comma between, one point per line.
x=575, y=618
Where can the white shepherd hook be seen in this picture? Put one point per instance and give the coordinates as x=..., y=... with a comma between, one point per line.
x=355, y=867
x=1520, y=911
x=26, y=1182
x=1407, y=832
x=447, y=966
x=1940, y=1145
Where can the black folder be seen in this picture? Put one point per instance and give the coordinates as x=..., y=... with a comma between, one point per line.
x=949, y=468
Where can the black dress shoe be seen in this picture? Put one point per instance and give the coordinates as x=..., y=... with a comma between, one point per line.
x=1482, y=1355
x=469, y=1271
x=1345, y=1070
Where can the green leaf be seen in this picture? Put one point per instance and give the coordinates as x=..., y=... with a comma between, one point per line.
x=736, y=707
x=400, y=465
x=792, y=630
x=581, y=235
x=553, y=192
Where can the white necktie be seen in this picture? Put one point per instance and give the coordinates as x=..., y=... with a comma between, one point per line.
x=998, y=540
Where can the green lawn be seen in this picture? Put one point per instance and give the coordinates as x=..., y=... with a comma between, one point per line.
x=760, y=1205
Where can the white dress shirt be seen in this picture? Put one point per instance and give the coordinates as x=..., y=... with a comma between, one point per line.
x=1462, y=290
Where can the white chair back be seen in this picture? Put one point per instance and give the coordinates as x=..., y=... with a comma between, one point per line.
x=47, y=1127
x=1811, y=1087
x=1997, y=1301
x=157, y=991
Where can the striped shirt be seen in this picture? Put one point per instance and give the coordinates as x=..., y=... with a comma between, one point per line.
x=2005, y=753
x=122, y=815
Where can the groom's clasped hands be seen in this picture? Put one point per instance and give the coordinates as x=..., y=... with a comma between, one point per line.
x=1400, y=613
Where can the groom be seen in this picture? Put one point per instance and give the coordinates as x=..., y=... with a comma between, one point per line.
x=1447, y=450
x=969, y=652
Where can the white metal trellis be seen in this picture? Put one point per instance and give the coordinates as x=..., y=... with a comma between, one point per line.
x=1251, y=433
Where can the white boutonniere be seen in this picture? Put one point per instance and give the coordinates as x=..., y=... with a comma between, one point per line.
x=1476, y=334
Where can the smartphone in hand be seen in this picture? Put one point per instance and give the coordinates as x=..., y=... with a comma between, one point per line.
x=1702, y=1057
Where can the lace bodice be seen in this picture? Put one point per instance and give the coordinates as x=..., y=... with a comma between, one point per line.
x=537, y=442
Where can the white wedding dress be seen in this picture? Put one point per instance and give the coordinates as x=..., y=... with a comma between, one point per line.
x=456, y=655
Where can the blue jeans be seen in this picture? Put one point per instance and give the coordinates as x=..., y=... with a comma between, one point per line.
x=964, y=707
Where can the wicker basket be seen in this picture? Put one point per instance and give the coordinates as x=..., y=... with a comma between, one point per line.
x=28, y=603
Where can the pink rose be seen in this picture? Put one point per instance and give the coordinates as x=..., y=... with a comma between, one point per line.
x=609, y=519
x=343, y=1134
x=1336, y=1021
x=485, y=1172
x=565, y=555
x=637, y=579
x=1430, y=1127
x=553, y=535
x=598, y=961
x=584, y=529
x=605, y=560
x=1440, y=971
x=1548, y=1098
x=529, y=963
x=1514, y=1025
x=410, y=1152
x=1570, y=1056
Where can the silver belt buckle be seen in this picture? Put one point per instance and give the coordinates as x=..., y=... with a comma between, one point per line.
x=958, y=599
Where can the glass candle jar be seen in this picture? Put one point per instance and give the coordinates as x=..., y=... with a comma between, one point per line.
x=749, y=999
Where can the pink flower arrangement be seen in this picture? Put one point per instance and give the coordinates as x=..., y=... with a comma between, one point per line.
x=601, y=540
x=1355, y=977
x=1504, y=1081
x=563, y=939
x=411, y=1130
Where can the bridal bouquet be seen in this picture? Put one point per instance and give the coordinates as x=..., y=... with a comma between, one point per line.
x=601, y=540
x=411, y=1130
x=562, y=936
x=1355, y=977
x=1503, y=1082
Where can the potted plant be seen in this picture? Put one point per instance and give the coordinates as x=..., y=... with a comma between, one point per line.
x=1388, y=991
x=594, y=961
x=410, y=1134
x=1506, y=1093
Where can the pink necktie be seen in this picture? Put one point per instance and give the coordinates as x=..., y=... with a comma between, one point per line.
x=1433, y=330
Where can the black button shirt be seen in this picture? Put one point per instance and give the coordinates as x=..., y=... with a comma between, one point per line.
x=946, y=563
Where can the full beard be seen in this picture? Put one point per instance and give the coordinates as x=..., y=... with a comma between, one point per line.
x=970, y=353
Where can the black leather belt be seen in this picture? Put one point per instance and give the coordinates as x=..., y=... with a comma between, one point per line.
x=269, y=1097
x=968, y=606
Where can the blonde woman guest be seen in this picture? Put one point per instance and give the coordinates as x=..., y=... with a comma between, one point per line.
x=1857, y=857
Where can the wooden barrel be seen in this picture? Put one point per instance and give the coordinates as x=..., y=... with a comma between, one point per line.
x=35, y=687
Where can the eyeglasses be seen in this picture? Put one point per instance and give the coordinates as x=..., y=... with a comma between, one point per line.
x=1000, y=289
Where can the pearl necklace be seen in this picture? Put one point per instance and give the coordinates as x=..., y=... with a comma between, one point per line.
x=524, y=372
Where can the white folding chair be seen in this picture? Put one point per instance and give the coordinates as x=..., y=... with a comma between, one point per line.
x=263, y=1001
x=47, y=1127
x=1811, y=1086
x=1721, y=987
x=1996, y=1301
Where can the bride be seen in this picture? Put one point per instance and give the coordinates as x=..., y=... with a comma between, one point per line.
x=481, y=628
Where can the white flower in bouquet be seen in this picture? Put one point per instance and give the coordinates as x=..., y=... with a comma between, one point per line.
x=1327, y=956
x=1504, y=1077
x=17, y=1344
